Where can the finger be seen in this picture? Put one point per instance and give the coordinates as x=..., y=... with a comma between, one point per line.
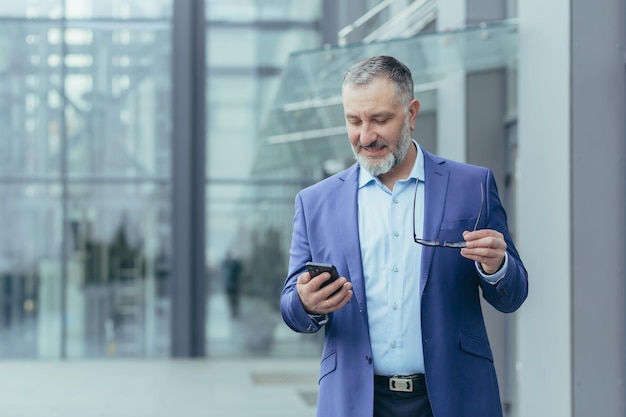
x=487, y=243
x=304, y=278
x=490, y=259
x=480, y=234
x=484, y=249
x=346, y=299
x=338, y=300
x=334, y=287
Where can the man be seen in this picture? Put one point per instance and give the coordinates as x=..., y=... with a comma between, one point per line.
x=416, y=239
x=231, y=267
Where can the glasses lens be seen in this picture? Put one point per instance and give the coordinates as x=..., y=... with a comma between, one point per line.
x=427, y=242
x=454, y=244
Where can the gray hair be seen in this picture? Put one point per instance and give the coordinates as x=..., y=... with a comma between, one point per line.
x=364, y=72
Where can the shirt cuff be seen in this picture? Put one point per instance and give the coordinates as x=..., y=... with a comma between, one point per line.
x=496, y=276
x=320, y=319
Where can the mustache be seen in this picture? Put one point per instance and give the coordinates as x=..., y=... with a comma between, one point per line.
x=376, y=144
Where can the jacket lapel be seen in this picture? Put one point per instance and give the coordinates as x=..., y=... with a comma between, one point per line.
x=348, y=227
x=436, y=180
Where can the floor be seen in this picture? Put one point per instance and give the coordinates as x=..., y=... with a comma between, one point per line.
x=159, y=388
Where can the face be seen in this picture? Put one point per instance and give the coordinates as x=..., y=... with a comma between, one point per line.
x=379, y=125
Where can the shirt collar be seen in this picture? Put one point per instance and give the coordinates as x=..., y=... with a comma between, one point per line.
x=417, y=172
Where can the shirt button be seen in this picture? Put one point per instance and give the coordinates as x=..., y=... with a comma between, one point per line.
x=396, y=233
x=393, y=344
x=396, y=269
x=395, y=201
x=395, y=306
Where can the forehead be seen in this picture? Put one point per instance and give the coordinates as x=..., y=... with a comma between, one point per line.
x=376, y=96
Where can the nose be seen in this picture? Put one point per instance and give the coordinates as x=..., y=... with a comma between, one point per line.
x=367, y=135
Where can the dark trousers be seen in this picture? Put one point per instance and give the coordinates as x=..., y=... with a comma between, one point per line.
x=388, y=403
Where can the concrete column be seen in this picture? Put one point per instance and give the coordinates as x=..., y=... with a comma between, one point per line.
x=451, y=120
x=544, y=209
x=571, y=204
x=598, y=176
x=572, y=200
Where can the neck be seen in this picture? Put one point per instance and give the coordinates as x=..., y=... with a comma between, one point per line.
x=400, y=171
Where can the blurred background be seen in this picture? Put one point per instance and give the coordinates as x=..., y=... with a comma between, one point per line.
x=150, y=152
x=96, y=160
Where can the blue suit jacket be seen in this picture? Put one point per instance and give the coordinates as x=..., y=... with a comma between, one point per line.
x=460, y=375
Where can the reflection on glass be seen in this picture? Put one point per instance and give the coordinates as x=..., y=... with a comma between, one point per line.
x=247, y=212
x=84, y=179
x=117, y=303
x=248, y=276
x=29, y=260
x=86, y=9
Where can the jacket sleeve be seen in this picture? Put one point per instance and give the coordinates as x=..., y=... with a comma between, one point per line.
x=511, y=291
x=291, y=307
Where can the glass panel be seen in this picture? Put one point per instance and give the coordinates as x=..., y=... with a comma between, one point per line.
x=84, y=9
x=248, y=259
x=268, y=48
x=84, y=180
x=264, y=10
x=118, y=262
x=231, y=124
x=118, y=107
x=314, y=74
x=31, y=100
x=249, y=264
x=51, y=9
x=30, y=270
x=222, y=42
x=306, y=127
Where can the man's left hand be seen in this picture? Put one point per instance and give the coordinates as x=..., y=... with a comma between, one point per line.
x=485, y=246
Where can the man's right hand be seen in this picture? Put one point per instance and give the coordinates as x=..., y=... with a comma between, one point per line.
x=325, y=300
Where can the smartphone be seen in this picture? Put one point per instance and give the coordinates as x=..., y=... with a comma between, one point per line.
x=316, y=268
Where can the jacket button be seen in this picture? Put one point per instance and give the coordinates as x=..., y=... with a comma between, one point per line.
x=368, y=359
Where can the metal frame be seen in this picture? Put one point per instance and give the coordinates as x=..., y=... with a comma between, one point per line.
x=188, y=278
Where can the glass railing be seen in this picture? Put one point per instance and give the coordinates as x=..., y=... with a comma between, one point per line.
x=307, y=117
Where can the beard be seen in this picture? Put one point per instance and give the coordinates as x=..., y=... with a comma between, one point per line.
x=379, y=166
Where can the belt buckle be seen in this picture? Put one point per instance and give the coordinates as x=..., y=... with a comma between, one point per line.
x=400, y=384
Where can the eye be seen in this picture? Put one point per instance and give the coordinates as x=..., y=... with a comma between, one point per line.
x=354, y=122
x=380, y=121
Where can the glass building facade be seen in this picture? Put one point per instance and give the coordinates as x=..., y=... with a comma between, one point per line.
x=86, y=174
x=84, y=178
x=248, y=47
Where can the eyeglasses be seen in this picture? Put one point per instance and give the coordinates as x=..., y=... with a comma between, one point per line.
x=446, y=244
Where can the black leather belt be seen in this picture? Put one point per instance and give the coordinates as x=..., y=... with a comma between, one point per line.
x=402, y=383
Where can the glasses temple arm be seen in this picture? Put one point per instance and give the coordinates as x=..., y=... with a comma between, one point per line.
x=482, y=203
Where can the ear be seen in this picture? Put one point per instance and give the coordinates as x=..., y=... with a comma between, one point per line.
x=414, y=109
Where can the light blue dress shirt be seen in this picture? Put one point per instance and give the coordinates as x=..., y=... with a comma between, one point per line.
x=391, y=266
